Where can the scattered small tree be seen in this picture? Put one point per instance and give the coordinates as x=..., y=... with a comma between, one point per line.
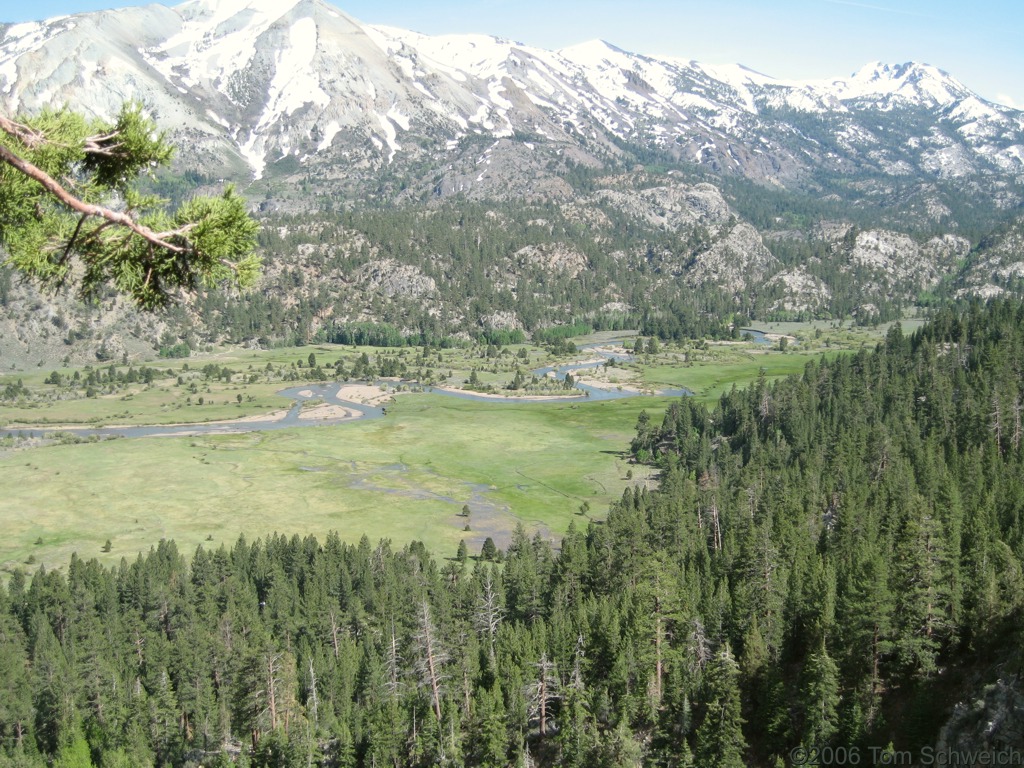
x=489, y=551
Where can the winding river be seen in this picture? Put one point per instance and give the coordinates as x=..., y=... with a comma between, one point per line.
x=329, y=394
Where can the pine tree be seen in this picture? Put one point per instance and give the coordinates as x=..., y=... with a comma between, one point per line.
x=68, y=192
x=266, y=691
x=488, y=736
x=542, y=692
x=864, y=621
x=720, y=741
x=54, y=687
x=432, y=656
x=74, y=753
x=820, y=699
x=15, y=682
x=489, y=612
x=922, y=595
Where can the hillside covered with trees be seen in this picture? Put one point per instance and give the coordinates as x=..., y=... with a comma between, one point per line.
x=830, y=560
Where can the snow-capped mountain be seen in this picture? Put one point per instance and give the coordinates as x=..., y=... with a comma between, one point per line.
x=258, y=87
x=605, y=183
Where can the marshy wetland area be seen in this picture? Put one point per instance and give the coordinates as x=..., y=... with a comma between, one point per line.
x=409, y=443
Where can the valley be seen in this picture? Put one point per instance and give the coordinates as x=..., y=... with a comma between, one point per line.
x=467, y=186
x=78, y=462
x=374, y=398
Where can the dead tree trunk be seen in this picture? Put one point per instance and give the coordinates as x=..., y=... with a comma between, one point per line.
x=433, y=657
x=543, y=691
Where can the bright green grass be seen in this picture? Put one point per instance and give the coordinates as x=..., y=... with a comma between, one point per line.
x=168, y=402
x=403, y=477
x=162, y=403
x=723, y=368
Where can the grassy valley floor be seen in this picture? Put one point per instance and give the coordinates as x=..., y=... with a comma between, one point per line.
x=406, y=476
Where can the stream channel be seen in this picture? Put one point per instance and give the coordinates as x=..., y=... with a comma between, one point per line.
x=329, y=394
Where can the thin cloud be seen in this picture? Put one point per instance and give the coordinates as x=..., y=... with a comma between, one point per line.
x=1008, y=101
x=882, y=8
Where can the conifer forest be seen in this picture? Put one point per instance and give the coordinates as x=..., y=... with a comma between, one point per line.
x=824, y=563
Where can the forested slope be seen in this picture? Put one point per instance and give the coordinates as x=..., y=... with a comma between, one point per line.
x=833, y=559
x=856, y=531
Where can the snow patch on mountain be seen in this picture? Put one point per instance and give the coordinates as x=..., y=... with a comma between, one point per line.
x=294, y=83
x=254, y=151
x=1010, y=159
x=20, y=40
x=215, y=40
x=390, y=135
x=269, y=78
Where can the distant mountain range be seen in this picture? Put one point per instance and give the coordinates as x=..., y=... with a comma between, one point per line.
x=815, y=197
x=253, y=84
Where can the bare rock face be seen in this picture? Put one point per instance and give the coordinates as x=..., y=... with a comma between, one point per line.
x=890, y=252
x=990, y=721
x=550, y=257
x=672, y=207
x=504, y=169
x=998, y=264
x=40, y=328
x=803, y=291
x=502, y=320
x=388, y=277
x=736, y=262
x=899, y=257
x=947, y=249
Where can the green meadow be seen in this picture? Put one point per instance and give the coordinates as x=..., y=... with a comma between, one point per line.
x=721, y=368
x=710, y=370
x=406, y=476
x=180, y=392
x=409, y=475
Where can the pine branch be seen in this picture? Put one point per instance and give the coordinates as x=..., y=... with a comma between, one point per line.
x=161, y=239
x=150, y=257
x=30, y=137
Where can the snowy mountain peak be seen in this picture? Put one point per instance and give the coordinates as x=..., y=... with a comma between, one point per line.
x=912, y=81
x=596, y=47
x=215, y=12
x=253, y=83
x=596, y=53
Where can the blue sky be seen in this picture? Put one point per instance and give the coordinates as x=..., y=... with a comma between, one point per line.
x=978, y=42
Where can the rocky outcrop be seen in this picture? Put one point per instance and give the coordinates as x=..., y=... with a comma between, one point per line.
x=40, y=328
x=990, y=721
x=549, y=257
x=998, y=263
x=899, y=258
x=501, y=320
x=391, y=278
x=736, y=262
x=802, y=291
x=672, y=207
